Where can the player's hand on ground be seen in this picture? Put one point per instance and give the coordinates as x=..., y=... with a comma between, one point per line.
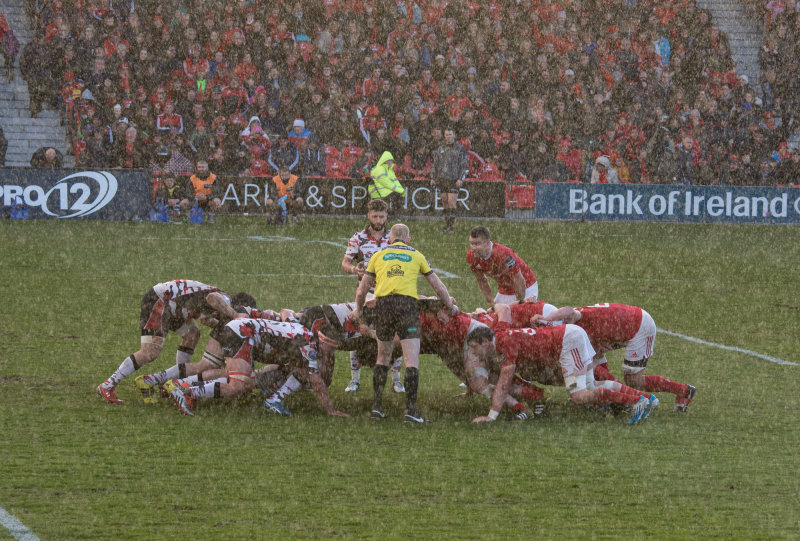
x=483, y=419
x=336, y=413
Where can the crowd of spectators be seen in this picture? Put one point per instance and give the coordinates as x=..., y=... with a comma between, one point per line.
x=534, y=89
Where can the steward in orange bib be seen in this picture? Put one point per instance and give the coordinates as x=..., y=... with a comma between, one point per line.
x=202, y=187
x=287, y=200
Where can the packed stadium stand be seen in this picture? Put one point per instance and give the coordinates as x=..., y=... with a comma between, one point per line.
x=641, y=91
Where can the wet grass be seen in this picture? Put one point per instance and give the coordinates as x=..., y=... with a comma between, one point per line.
x=72, y=467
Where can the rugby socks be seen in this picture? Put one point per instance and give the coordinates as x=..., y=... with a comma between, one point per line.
x=630, y=390
x=378, y=383
x=286, y=389
x=622, y=388
x=411, y=383
x=173, y=372
x=207, y=390
x=355, y=367
x=183, y=355
x=606, y=396
x=601, y=373
x=128, y=367
x=196, y=379
x=396, y=369
x=532, y=393
x=529, y=390
x=654, y=383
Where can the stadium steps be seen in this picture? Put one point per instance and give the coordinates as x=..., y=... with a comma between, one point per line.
x=25, y=134
x=745, y=35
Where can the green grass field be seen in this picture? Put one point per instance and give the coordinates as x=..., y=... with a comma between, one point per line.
x=73, y=467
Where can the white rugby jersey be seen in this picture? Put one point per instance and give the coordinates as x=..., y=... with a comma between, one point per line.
x=267, y=335
x=361, y=246
x=187, y=296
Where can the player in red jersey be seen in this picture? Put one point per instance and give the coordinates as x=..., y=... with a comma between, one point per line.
x=515, y=279
x=461, y=342
x=360, y=248
x=170, y=306
x=247, y=340
x=522, y=313
x=564, y=346
x=614, y=326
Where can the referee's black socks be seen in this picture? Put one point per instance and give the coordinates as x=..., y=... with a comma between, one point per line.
x=379, y=374
x=412, y=383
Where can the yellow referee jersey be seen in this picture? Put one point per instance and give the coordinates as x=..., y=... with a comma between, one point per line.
x=396, y=268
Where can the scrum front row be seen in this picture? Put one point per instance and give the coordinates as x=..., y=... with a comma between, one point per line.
x=498, y=353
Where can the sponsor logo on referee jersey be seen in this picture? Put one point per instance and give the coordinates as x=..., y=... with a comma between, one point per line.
x=401, y=257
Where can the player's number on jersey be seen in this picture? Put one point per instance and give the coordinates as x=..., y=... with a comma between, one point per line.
x=526, y=330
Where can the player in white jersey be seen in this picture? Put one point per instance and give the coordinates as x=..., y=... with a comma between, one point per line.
x=246, y=340
x=212, y=365
x=331, y=328
x=360, y=248
x=170, y=306
x=332, y=331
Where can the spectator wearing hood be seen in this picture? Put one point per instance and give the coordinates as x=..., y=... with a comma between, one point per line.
x=384, y=183
x=602, y=173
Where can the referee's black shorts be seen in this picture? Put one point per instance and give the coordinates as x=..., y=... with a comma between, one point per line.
x=396, y=314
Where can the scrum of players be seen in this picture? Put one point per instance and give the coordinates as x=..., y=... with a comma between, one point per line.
x=501, y=352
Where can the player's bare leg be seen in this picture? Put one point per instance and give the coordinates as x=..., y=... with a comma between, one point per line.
x=240, y=381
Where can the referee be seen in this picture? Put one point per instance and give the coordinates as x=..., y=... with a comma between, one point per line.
x=394, y=270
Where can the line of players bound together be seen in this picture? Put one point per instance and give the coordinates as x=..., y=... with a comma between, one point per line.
x=498, y=352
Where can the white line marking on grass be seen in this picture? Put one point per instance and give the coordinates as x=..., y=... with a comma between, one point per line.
x=641, y=280
x=17, y=529
x=278, y=275
x=441, y=273
x=729, y=348
x=159, y=239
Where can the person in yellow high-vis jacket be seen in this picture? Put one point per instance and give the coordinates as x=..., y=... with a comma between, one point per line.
x=384, y=183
